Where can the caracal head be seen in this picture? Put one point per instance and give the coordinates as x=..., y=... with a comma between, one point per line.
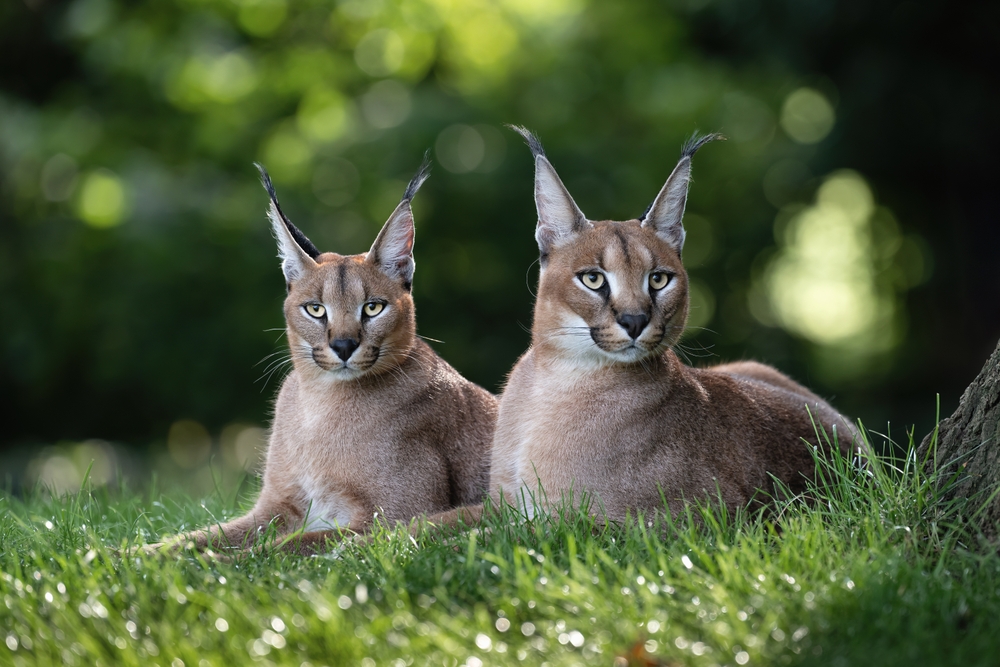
x=610, y=292
x=348, y=316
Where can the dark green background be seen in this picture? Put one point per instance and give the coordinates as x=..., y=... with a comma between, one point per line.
x=117, y=332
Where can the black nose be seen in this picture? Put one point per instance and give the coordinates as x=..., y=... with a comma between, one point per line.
x=344, y=347
x=633, y=324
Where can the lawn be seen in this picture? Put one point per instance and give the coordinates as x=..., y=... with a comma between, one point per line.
x=874, y=572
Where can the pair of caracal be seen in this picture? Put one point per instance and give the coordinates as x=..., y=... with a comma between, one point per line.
x=372, y=425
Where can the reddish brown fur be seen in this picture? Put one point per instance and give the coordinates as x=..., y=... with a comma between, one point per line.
x=592, y=408
x=392, y=431
x=627, y=431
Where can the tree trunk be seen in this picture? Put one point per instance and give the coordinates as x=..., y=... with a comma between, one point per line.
x=968, y=447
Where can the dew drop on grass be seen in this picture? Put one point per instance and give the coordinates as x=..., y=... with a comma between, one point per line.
x=221, y=624
x=483, y=642
x=528, y=629
x=503, y=624
x=742, y=658
x=653, y=626
x=344, y=602
x=687, y=562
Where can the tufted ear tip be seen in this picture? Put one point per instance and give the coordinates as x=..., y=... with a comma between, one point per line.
x=666, y=214
x=529, y=138
x=296, y=251
x=392, y=250
x=559, y=217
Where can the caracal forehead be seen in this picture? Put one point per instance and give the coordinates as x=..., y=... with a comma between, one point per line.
x=617, y=246
x=339, y=277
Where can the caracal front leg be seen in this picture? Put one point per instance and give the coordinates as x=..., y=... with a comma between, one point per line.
x=241, y=533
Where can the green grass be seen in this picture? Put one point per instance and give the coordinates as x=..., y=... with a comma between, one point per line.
x=877, y=571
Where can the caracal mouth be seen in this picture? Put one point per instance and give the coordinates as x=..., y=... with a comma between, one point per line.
x=344, y=370
x=628, y=354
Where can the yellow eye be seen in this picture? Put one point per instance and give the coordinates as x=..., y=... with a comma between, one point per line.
x=373, y=308
x=594, y=280
x=659, y=280
x=315, y=310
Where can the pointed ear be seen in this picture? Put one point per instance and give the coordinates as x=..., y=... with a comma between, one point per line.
x=666, y=213
x=393, y=248
x=297, y=252
x=558, y=215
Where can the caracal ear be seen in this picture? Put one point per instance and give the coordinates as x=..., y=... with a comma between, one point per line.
x=559, y=218
x=297, y=252
x=392, y=251
x=666, y=212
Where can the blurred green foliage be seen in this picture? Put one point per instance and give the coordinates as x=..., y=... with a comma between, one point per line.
x=841, y=234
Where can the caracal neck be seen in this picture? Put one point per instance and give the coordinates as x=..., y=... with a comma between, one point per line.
x=551, y=361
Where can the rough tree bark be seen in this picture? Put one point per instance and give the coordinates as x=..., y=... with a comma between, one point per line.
x=969, y=445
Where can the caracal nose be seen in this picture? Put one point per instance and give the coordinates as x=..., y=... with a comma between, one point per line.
x=633, y=324
x=344, y=347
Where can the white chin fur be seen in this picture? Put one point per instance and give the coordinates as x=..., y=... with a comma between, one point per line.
x=580, y=349
x=338, y=374
x=629, y=355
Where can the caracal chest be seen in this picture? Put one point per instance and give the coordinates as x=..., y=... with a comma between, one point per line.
x=336, y=449
x=565, y=432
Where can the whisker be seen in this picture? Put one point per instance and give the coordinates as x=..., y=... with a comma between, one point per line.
x=526, y=281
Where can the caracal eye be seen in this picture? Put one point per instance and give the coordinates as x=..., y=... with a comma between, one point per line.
x=373, y=308
x=316, y=310
x=659, y=279
x=594, y=280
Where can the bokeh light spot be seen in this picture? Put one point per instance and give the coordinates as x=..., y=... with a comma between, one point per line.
x=807, y=116
x=323, y=114
x=460, y=148
x=229, y=77
x=86, y=18
x=188, y=443
x=386, y=104
x=380, y=52
x=822, y=283
x=102, y=202
x=262, y=17
x=286, y=154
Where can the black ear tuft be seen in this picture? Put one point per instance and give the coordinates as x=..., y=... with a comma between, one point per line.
x=300, y=239
x=419, y=178
x=692, y=145
x=533, y=143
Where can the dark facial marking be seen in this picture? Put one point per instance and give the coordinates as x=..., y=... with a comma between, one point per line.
x=624, y=242
x=342, y=274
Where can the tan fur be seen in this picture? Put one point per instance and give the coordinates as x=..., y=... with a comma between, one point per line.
x=391, y=432
x=588, y=409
